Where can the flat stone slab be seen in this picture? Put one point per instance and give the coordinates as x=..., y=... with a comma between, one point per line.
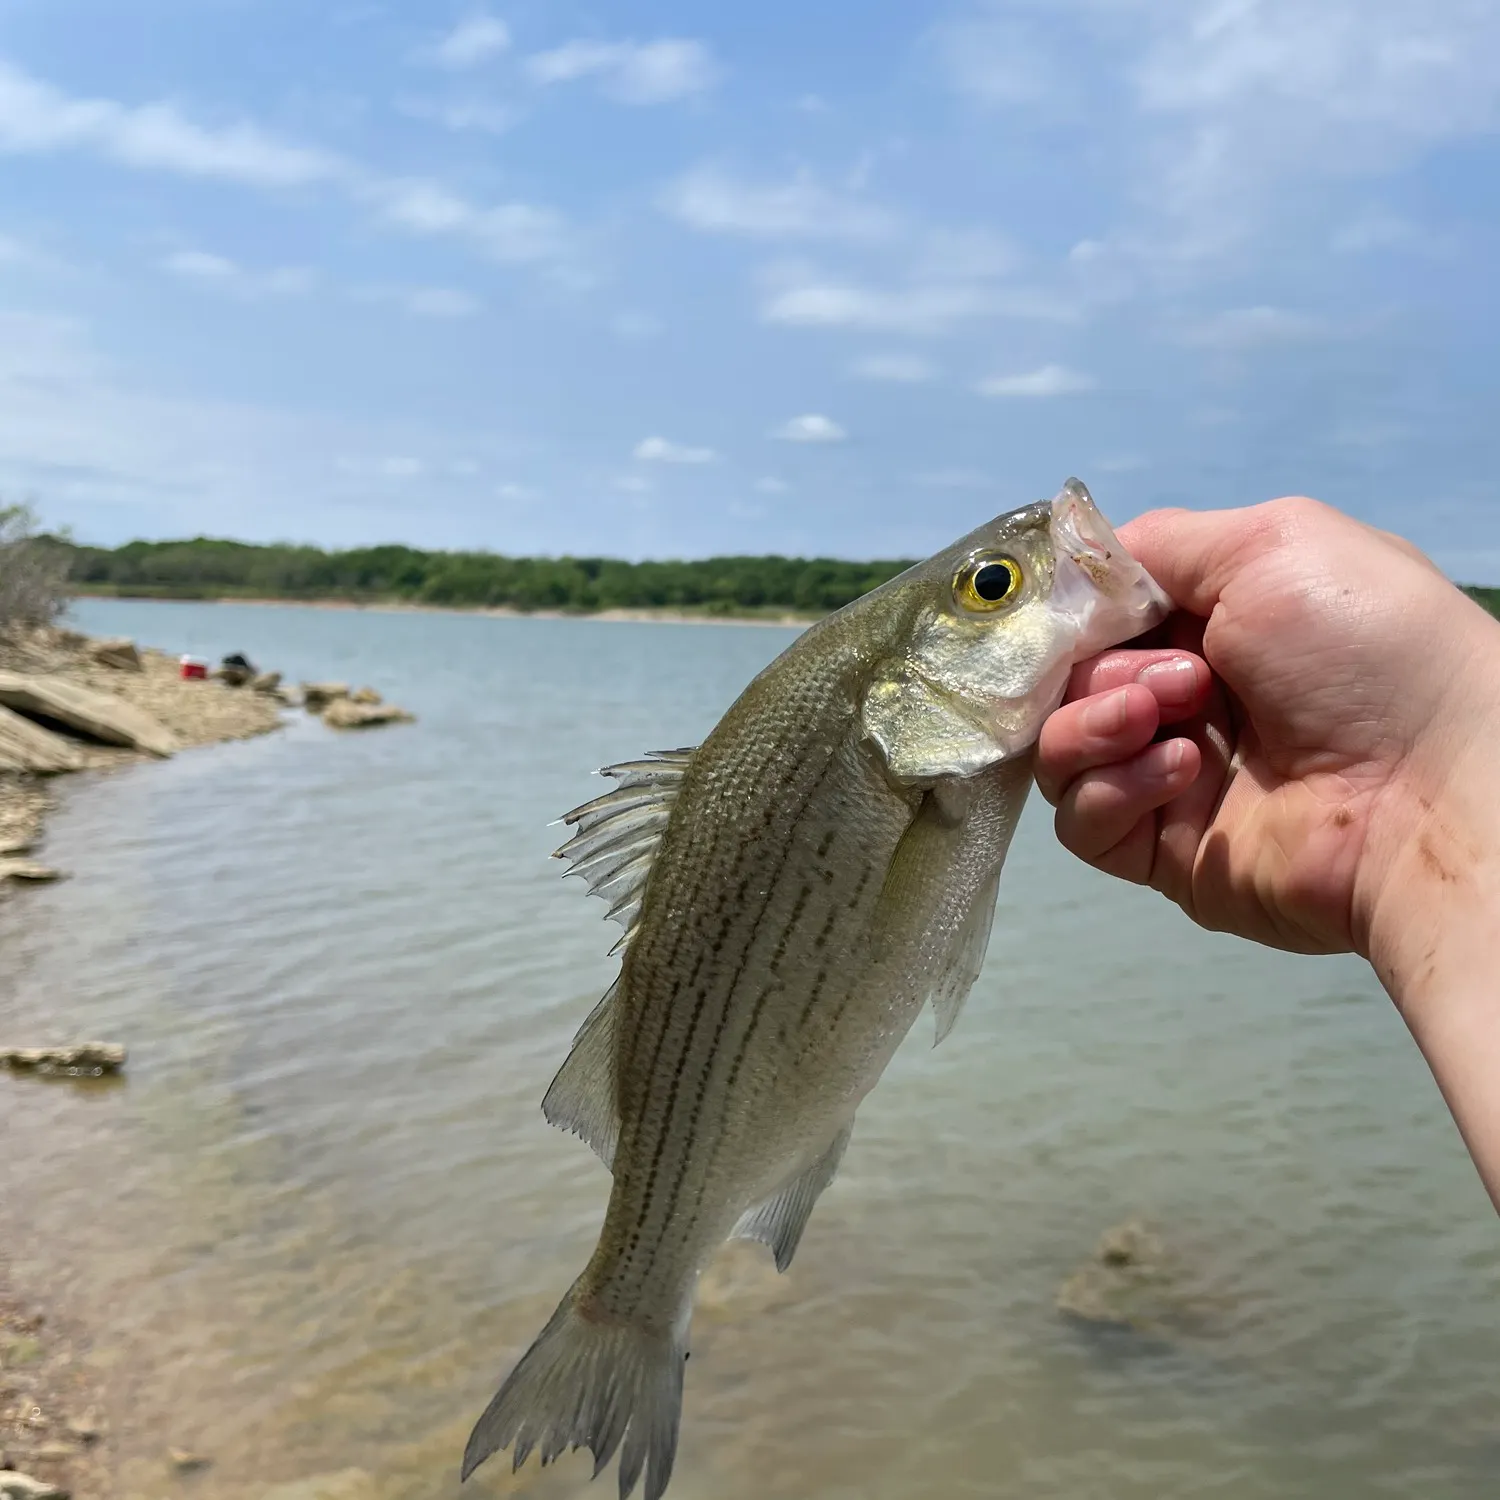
x=26, y=746
x=96, y=715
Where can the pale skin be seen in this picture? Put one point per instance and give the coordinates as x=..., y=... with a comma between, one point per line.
x=1310, y=758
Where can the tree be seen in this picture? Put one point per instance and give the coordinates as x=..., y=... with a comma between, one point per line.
x=33, y=571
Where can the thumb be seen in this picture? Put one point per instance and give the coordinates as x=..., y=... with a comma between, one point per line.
x=1193, y=554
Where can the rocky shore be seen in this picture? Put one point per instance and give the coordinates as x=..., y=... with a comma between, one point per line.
x=70, y=703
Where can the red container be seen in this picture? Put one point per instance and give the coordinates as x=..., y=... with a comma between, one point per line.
x=193, y=669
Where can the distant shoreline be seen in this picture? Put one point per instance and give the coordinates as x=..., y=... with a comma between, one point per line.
x=489, y=611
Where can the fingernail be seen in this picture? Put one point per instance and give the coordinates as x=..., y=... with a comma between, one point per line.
x=1173, y=682
x=1107, y=716
x=1161, y=762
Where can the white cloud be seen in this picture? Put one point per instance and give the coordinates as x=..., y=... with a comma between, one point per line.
x=813, y=104
x=400, y=466
x=769, y=484
x=218, y=270
x=1244, y=328
x=442, y=302
x=917, y=309
x=811, y=428
x=905, y=369
x=1372, y=232
x=462, y=114
x=708, y=199
x=631, y=72
x=37, y=119
x=1049, y=380
x=635, y=326
x=633, y=484
x=509, y=232
x=954, y=479
x=1121, y=463
x=474, y=40
x=658, y=450
x=996, y=59
x=515, y=492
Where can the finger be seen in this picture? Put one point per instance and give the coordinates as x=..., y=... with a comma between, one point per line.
x=1183, y=822
x=1093, y=732
x=1103, y=807
x=1179, y=680
x=1194, y=554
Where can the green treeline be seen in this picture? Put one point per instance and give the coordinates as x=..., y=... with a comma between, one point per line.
x=207, y=568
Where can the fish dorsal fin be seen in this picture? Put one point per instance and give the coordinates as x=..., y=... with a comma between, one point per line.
x=582, y=1098
x=780, y=1220
x=616, y=836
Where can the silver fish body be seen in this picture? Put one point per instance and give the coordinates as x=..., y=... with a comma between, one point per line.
x=794, y=891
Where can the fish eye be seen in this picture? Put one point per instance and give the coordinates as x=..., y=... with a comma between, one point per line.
x=988, y=582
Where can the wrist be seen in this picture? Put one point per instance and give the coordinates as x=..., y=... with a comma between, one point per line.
x=1431, y=866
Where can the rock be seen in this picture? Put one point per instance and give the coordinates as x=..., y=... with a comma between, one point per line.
x=26, y=746
x=28, y=870
x=345, y=713
x=17, y=1486
x=99, y=716
x=52, y=1453
x=266, y=682
x=186, y=1462
x=318, y=695
x=1129, y=1244
x=365, y=695
x=88, y=1058
x=341, y=1484
x=89, y=1428
x=118, y=652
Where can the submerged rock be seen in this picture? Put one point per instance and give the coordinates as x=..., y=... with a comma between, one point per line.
x=119, y=652
x=341, y=1484
x=365, y=695
x=347, y=714
x=266, y=682
x=1129, y=1282
x=28, y=870
x=17, y=1486
x=93, y=1058
x=95, y=715
x=26, y=746
x=187, y=1462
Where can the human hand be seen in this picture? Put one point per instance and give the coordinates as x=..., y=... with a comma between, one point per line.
x=1287, y=753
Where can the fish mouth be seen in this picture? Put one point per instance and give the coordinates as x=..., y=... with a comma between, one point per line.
x=1111, y=594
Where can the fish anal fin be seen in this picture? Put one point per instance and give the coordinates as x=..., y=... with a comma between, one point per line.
x=582, y=1097
x=781, y=1218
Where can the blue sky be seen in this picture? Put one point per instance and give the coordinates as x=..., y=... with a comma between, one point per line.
x=677, y=278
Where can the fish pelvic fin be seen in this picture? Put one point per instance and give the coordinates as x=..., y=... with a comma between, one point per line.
x=594, y=1382
x=781, y=1218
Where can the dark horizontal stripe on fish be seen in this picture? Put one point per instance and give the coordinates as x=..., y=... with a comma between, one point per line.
x=705, y=952
x=787, y=849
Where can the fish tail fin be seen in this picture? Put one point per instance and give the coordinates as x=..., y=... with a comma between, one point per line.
x=594, y=1382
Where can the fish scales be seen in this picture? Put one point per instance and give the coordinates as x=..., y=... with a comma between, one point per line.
x=794, y=891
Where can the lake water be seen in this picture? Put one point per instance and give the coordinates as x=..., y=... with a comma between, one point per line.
x=323, y=1214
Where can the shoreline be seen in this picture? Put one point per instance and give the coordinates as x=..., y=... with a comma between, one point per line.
x=484, y=611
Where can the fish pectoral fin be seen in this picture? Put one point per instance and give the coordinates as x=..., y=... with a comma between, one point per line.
x=616, y=836
x=582, y=1097
x=781, y=1218
x=969, y=948
x=921, y=866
